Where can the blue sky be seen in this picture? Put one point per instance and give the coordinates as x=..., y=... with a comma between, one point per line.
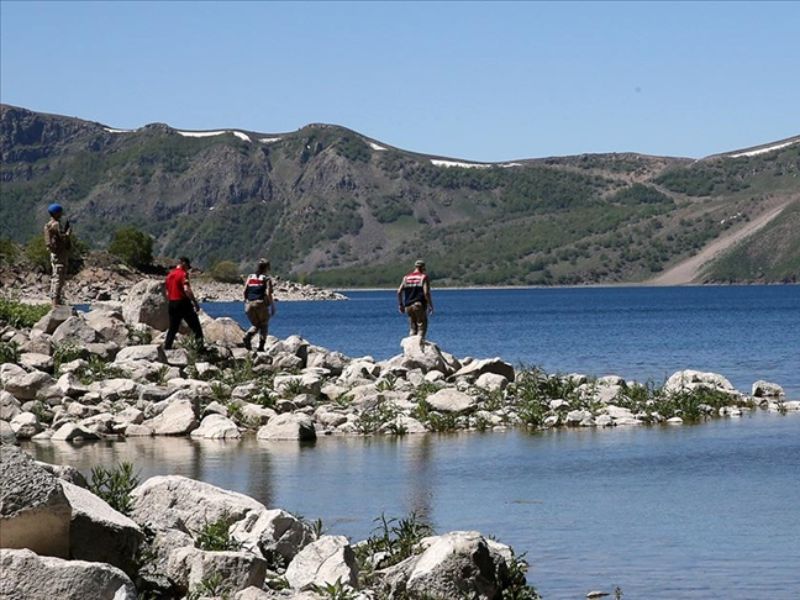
x=478, y=80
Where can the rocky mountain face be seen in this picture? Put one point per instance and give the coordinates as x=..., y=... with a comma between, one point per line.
x=340, y=209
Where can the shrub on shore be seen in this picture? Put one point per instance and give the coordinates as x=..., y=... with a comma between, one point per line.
x=115, y=485
x=20, y=315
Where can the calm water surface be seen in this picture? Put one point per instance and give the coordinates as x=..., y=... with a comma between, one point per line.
x=743, y=332
x=699, y=512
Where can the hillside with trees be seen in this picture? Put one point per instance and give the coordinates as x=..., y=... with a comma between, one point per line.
x=336, y=208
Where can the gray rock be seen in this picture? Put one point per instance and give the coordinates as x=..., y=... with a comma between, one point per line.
x=422, y=354
x=7, y=435
x=289, y=426
x=25, y=425
x=72, y=432
x=455, y=565
x=134, y=430
x=476, y=368
x=65, y=472
x=74, y=331
x=451, y=400
x=188, y=567
x=215, y=427
x=109, y=326
x=491, y=382
x=34, y=512
x=27, y=576
x=98, y=533
x=50, y=322
x=765, y=389
x=273, y=533
x=149, y=353
x=147, y=304
x=224, y=331
x=328, y=560
x=9, y=406
x=34, y=360
x=178, y=418
x=689, y=380
x=69, y=385
x=28, y=386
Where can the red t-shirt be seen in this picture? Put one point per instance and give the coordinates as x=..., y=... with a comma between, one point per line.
x=176, y=279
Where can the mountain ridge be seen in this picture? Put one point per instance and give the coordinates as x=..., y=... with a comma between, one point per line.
x=340, y=208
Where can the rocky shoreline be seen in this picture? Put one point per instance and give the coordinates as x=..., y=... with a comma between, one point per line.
x=74, y=377
x=113, y=281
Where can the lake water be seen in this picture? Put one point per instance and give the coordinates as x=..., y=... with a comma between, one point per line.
x=743, y=332
x=692, y=512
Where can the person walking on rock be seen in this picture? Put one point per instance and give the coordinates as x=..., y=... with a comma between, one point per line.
x=414, y=299
x=258, y=304
x=58, y=239
x=183, y=305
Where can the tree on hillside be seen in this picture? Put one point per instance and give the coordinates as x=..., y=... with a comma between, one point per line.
x=225, y=271
x=134, y=247
x=39, y=256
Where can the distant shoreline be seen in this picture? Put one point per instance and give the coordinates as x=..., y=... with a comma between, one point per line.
x=551, y=287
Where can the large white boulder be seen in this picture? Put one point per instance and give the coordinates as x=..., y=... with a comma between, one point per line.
x=690, y=380
x=28, y=576
x=765, y=389
x=452, y=401
x=224, y=330
x=289, y=426
x=146, y=303
x=177, y=418
x=422, y=354
x=73, y=432
x=98, y=533
x=326, y=561
x=176, y=502
x=34, y=511
x=216, y=427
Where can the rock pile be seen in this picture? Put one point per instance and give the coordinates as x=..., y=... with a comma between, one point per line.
x=166, y=549
x=103, y=374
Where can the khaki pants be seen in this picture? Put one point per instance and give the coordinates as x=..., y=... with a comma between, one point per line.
x=258, y=313
x=59, y=264
x=417, y=319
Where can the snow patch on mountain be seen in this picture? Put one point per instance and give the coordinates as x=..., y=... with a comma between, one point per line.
x=202, y=134
x=758, y=151
x=375, y=146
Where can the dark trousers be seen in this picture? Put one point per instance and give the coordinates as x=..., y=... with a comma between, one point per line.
x=182, y=310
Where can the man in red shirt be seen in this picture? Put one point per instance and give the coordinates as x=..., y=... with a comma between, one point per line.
x=183, y=305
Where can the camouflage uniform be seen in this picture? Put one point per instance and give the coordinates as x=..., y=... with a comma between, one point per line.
x=57, y=241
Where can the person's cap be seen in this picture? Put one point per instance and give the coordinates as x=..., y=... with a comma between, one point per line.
x=263, y=261
x=419, y=263
x=55, y=208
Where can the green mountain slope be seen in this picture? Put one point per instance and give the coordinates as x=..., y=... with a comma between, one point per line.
x=341, y=209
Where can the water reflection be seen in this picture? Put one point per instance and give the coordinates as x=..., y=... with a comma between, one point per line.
x=685, y=512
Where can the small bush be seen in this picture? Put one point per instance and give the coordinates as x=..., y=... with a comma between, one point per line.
x=215, y=536
x=9, y=352
x=64, y=353
x=8, y=251
x=132, y=246
x=115, y=485
x=19, y=315
x=225, y=271
x=97, y=370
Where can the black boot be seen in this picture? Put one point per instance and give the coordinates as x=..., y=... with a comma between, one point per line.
x=246, y=341
x=261, y=345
